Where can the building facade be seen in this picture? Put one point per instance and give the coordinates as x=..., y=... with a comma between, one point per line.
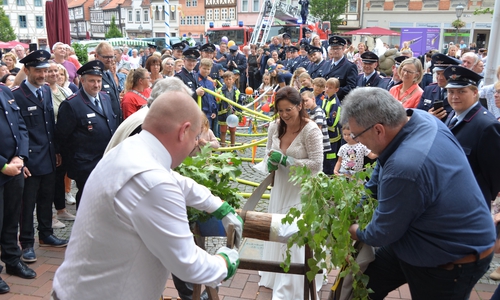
x=27, y=18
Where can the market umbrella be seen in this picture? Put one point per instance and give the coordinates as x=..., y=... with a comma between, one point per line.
x=378, y=31
x=12, y=44
x=57, y=22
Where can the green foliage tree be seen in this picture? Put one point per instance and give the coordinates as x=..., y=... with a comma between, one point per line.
x=113, y=31
x=483, y=11
x=81, y=52
x=6, y=32
x=329, y=10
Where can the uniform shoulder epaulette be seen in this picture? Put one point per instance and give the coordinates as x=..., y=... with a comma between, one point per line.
x=71, y=96
x=16, y=88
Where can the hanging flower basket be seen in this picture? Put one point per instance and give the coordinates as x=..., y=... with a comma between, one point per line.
x=458, y=24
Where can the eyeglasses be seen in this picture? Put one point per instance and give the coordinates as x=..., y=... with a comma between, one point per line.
x=355, y=137
x=169, y=64
x=408, y=71
x=108, y=57
x=147, y=78
x=497, y=92
x=286, y=110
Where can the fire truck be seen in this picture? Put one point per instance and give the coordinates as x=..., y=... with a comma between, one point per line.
x=272, y=12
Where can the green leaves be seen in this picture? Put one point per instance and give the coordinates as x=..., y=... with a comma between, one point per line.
x=214, y=172
x=113, y=31
x=330, y=205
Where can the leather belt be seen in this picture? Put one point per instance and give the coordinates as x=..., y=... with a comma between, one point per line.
x=468, y=259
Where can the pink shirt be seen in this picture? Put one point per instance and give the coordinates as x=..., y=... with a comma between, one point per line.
x=411, y=96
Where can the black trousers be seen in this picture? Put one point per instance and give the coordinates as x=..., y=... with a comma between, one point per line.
x=39, y=191
x=60, y=188
x=80, y=179
x=11, y=195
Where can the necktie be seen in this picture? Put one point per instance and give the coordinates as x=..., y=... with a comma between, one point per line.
x=453, y=122
x=39, y=95
x=364, y=81
x=97, y=103
x=444, y=94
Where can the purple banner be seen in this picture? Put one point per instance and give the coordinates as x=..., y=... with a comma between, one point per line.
x=420, y=40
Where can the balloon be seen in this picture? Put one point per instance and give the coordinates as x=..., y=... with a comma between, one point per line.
x=224, y=39
x=230, y=43
x=232, y=121
x=266, y=108
x=249, y=90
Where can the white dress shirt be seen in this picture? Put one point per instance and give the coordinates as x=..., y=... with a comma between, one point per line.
x=132, y=228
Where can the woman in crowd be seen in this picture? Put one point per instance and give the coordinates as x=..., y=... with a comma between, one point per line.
x=316, y=42
x=254, y=78
x=409, y=92
x=10, y=60
x=63, y=80
x=8, y=80
x=357, y=57
x=168, y=67
x=153, y=65
x=178, y=65
x=119, y=78
x=137, y=91
x=293, y=139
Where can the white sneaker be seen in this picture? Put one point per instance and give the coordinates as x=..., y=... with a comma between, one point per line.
x=65, y=216
x=56, y=224
x=70, y=200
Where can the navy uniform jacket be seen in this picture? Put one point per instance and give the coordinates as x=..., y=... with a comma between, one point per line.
x=432, y=93
x=391, y=83
x=479, y=135
x=304, y=62
x=375, y=81
x=40, y=122
x=189, y=80
x=294, y=64
x=241, y=62
x=316, y=70
x=109, y=87
x=345, y=71
x=13, y=133
x=83, y=131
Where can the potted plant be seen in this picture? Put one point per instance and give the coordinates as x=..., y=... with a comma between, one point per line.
x=215, y=173
x=330, y=205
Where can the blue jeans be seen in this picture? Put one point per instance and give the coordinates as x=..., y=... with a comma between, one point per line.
x=387, y=272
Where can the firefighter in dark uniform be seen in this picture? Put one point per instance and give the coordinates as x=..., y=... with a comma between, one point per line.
x=315, y=68
x=339, y=67
x=177, y=49
x=35, y=101
x=370, y=77
x=151, y=50
x=287, y=42
x=188, y=75
x=295, y=60
x=436, y=92
x=14, y=150
x=475, y=128
x=85, y=124
x=236, y=60
x=303, y=54
x=105, y=53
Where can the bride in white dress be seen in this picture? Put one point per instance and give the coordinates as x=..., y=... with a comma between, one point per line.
x=297, y=137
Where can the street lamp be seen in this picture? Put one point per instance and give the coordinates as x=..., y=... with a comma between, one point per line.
x=458, y=11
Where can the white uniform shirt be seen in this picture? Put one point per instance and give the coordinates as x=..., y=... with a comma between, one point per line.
x=132, y=228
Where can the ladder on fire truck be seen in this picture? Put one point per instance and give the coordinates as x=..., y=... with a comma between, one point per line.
x=275, y=9
x=264, y=22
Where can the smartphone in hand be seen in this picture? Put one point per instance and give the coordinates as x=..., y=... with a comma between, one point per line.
x=437, y=104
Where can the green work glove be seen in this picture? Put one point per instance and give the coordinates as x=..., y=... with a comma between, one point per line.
x=232, y=259
x=276, y=157
x=228, y=216
x=271, y=166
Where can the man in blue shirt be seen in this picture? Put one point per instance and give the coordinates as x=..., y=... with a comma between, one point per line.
x=432, y=225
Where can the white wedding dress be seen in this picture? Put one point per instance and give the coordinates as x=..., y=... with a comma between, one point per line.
x=306, y=150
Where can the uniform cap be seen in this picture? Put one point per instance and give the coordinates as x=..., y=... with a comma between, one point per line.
x=441, y=61
x=94, y=67
x=38, y=59
x=208, y=47
x=459, y=77
x=152, y=46
x=178, y=46
x=399, y=59
x=191, y=53
x=337, y=41
x=313, y=49
x=369, y=57
x=286, y=35
x=233, y=48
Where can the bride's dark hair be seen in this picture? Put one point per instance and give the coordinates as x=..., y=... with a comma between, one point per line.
x=292, y=95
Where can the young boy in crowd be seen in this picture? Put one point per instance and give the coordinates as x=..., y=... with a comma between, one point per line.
x=331, y=106
x=231, y=92
x=319, y=90
x=305, y=82
x=208, y=103
x=318, y=116
x=351, y=155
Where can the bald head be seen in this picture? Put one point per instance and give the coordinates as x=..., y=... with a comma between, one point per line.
x=175, y=120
